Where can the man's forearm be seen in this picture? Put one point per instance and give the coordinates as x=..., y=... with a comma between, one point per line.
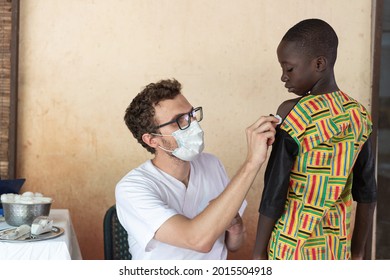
x=201, y=232
x=221, y=211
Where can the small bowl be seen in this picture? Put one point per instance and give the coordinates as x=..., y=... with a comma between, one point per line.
x=17, y=214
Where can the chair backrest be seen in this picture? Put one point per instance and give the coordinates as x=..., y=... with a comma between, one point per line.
x=116, y=245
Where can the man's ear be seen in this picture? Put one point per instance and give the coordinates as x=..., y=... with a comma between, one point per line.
x=321, y=63
x=149, y=140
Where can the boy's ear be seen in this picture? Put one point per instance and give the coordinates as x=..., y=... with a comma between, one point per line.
x=149, y=140
x=321, y=63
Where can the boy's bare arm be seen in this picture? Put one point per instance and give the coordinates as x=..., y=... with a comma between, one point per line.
x=264, y=230
x=285, y=108
x=363, y=223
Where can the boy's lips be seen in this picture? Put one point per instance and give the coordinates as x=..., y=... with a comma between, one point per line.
x=289, y=88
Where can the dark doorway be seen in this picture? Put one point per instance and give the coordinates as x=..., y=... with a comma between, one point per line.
x=383, y=218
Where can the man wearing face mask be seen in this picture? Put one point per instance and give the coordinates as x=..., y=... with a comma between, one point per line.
x=181, y=204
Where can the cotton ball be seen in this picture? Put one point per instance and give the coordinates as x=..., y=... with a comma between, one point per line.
x=28, y=194
x=4, y=197
x=10, y=197
x=46, y=199
x=26, y=200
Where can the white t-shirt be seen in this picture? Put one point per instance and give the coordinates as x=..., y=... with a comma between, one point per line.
x=147, y=197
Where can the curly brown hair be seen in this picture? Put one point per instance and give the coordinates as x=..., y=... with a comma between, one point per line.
x=139, y=116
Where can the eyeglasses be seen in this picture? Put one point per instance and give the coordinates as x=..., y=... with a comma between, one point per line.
x=184, y=120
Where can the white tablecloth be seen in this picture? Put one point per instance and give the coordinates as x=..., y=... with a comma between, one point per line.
x=63, y=247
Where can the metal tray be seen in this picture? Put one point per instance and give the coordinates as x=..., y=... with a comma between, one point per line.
x=55, y=232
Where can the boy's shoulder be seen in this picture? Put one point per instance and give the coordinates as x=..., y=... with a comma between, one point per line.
x=285, y=108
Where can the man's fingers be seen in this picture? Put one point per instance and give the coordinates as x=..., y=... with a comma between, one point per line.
x=266, y=119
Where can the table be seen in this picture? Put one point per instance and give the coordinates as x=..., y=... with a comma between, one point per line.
x=63, y=247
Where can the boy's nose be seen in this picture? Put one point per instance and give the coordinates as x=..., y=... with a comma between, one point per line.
x=284, y=78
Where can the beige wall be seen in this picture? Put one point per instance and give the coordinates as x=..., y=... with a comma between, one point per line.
x=81, y=63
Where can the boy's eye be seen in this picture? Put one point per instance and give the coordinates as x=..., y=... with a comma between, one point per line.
x=289, y=69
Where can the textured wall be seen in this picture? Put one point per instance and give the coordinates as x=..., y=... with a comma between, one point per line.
x=5, y=84
x=81, y=63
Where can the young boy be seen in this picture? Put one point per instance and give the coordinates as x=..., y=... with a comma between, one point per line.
x=321, y=159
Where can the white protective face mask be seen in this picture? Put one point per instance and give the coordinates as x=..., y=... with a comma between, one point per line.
x=190, y=142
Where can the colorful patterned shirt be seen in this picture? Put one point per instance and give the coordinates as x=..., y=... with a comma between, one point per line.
x=309, y=181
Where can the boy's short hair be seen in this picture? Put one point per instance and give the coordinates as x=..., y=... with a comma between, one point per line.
x=139, y=116
x=316, y=38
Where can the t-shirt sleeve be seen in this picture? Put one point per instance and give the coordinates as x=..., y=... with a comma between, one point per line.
x=140, y=209
x=364, y=188
x=277, y=175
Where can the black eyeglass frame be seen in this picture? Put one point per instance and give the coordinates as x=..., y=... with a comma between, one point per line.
x=191, y=114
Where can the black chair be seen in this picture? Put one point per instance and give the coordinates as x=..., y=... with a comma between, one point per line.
x=116, y=246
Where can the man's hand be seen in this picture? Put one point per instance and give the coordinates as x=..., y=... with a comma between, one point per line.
x=259, y=136
x=235, y=234
x=236, y=226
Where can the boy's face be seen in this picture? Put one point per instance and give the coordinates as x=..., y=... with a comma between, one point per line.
x=298, y=70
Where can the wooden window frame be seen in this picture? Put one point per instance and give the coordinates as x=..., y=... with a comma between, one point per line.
x=12, y=80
